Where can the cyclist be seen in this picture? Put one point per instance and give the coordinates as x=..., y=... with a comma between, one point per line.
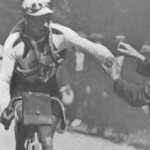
x=32, y=53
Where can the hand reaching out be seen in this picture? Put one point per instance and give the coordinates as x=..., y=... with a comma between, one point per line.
x=115, y=71
x=126, y=49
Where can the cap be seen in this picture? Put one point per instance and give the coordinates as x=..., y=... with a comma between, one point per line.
x=37, y=7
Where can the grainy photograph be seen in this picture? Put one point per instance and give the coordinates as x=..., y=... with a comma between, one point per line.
x=74, y=74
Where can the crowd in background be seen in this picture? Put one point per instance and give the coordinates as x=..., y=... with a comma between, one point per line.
x=80, y=120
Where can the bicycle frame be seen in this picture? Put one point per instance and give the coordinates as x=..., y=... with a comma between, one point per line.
x=33, y=143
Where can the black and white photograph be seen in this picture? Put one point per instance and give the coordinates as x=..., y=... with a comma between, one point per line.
x=74, y=74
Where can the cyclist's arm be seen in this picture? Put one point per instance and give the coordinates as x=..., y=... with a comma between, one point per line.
x=98, y=50
x=71, y=38
x=132, y=94
x=9, y=58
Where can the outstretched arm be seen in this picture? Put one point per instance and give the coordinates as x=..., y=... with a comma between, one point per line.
x=71, y=38
x=99, y=51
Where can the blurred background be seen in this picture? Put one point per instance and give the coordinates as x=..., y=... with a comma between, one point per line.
x=95, y=103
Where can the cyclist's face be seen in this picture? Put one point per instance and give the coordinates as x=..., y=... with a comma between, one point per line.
x=40, y=23
x=44, y=22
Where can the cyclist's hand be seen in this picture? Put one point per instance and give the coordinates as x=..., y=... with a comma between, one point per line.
x=6, y=118
x=109, y=62
x=115, y=71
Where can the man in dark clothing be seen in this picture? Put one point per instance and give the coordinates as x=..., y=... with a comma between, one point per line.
x=135, y=95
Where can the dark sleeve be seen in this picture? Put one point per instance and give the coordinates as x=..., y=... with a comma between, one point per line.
x=144, y=68
x=134, y=95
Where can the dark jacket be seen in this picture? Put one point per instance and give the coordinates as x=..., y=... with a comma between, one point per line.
x=135, y=95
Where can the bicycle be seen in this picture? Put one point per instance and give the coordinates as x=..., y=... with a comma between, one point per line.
x=28, y=121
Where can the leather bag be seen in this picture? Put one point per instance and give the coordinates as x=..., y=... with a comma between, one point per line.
x=36, y=109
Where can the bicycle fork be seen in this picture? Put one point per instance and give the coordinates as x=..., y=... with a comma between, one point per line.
x=34, y=144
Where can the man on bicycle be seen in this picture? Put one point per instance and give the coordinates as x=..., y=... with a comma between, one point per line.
x=32, y=53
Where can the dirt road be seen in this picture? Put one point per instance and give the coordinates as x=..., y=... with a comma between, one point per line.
x=75, y=141
x=68, y=141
